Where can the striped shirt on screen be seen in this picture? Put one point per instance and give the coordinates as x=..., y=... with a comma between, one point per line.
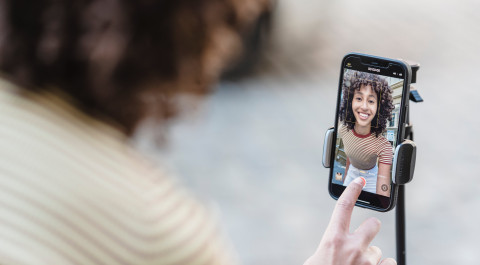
x=364, y=150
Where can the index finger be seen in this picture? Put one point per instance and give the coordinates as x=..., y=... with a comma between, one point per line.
x=343, y=209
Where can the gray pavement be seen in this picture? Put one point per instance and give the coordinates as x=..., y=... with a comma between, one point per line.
x=253, y=148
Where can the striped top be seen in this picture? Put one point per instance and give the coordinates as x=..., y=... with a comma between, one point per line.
x=364, y=150
x=73, y=191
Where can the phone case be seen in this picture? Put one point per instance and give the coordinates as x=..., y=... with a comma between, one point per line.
x=403, y=112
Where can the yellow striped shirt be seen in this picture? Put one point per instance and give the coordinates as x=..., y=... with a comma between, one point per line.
x=73, y=191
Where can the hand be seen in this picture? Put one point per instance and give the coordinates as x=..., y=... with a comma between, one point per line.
x=338, y=245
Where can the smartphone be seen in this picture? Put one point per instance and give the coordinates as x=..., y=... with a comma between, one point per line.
x=372, y=104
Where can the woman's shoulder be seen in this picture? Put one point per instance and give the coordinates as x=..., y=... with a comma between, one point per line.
x=77, y=173
x=342, y=129
x=384, y=143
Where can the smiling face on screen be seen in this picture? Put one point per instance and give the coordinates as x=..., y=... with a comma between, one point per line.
x=364, y=106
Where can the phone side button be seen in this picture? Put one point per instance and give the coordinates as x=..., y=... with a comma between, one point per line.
x=406, y=129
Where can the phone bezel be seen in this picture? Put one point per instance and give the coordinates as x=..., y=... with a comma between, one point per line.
x=367, y=199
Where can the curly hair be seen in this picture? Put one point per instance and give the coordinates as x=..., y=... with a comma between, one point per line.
x=352, y=81
x=121, y=60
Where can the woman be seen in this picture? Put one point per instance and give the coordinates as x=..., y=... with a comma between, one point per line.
x=78, y=77
x=365, y=110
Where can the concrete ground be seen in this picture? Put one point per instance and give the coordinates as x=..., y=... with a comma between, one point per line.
x=254, y=147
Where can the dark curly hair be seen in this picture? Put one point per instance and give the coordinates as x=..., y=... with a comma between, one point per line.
x=121, y=60
x=352, y=81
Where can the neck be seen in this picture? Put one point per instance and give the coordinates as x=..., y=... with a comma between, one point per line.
x=363, y=130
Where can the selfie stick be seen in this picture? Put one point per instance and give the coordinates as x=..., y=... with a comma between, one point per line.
x=403, y=166
x=407, y=177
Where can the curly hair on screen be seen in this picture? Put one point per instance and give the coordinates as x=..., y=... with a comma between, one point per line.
x=352, y=81
x=121, y=60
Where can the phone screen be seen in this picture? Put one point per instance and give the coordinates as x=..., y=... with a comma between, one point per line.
x=369, y=125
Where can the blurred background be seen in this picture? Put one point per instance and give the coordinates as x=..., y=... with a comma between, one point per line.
x=253, y=148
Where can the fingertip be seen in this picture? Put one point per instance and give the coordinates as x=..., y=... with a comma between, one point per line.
x=360, y=181
x=373, y=254
x=388, y=261
x=355, y=187
x=368, y=230
x=375, y=250
x=371, y=222
x=375, y=221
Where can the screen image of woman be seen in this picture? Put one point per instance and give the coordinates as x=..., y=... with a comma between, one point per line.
x=365, y=109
